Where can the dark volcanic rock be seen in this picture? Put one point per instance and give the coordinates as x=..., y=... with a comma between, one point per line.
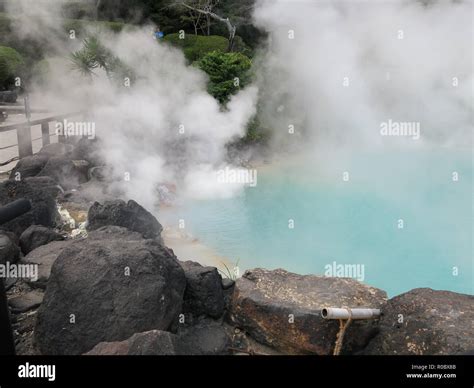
x=26, y=302
x=107, y=289
x=100, y=173
x=88, y=149
x=227, y=283
x=129, y=215
x=283, y=310
x=425, y=321
x=205, y=340
x=44, y=183
x=29, y=166
x=203, y=295
x=37, y=235
x=153, y=342
x=9, y=250
x=43, y=205
x=44, y=256
x=65, y=171
x=57, y=149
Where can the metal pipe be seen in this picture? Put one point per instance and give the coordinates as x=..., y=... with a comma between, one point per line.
x=342, y=313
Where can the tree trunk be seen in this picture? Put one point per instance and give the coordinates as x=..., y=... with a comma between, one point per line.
x=97, y=6
x=230, y=27
x=230, y=48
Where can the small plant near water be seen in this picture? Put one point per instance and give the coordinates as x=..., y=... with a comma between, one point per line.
x=229, y=273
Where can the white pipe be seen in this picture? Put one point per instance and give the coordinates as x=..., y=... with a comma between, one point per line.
x=340, y=313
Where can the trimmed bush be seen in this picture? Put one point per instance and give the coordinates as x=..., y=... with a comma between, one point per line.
x=224, y=69
x=10, y=66
x=197, y=46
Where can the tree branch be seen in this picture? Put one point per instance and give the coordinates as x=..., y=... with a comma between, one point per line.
x=230, y=27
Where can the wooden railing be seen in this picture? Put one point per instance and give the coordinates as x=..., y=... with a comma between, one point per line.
x=23, y=131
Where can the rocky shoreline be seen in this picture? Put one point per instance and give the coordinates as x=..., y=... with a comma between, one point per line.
x=106, y=284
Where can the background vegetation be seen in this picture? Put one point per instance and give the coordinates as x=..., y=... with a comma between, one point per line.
x=205, y=42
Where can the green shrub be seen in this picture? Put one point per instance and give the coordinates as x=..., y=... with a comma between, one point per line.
x=11, y=63
x=224, y=69
x=196, y=46
x=241, y=47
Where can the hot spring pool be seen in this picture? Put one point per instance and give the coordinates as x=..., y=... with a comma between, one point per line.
x=353, y=222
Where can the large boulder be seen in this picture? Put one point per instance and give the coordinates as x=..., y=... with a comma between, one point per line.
x=425, y=322
x=283, y=310
x=106, y=288
x=129, y=215
x=68, y=173
x=29, y=166
x=44, y=257
x=204, y=294
x=43, y=205
x=9, y=250
x=37, y=235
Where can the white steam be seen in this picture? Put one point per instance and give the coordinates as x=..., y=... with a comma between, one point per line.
x=352, y=65
x=164, y=128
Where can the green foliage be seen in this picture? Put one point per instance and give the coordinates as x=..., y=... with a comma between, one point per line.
x=224, y=69
x=94, y=55
x=241, y=47
x=197, y=46
x=11, y=64
x=255, y=133
x=228, y=272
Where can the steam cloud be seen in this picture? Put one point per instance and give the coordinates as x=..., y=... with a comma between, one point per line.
x=399, y=60
x=140, y=126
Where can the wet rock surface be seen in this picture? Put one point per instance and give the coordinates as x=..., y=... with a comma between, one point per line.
x=283, y=310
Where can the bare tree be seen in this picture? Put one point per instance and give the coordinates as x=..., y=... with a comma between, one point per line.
x=195, y=17
x=231, y=28
x=208, y=7
x=97, y=6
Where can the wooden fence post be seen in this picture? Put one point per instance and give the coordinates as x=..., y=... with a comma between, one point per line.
x=25, y=147
x=45, y=133
x=62, y=135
